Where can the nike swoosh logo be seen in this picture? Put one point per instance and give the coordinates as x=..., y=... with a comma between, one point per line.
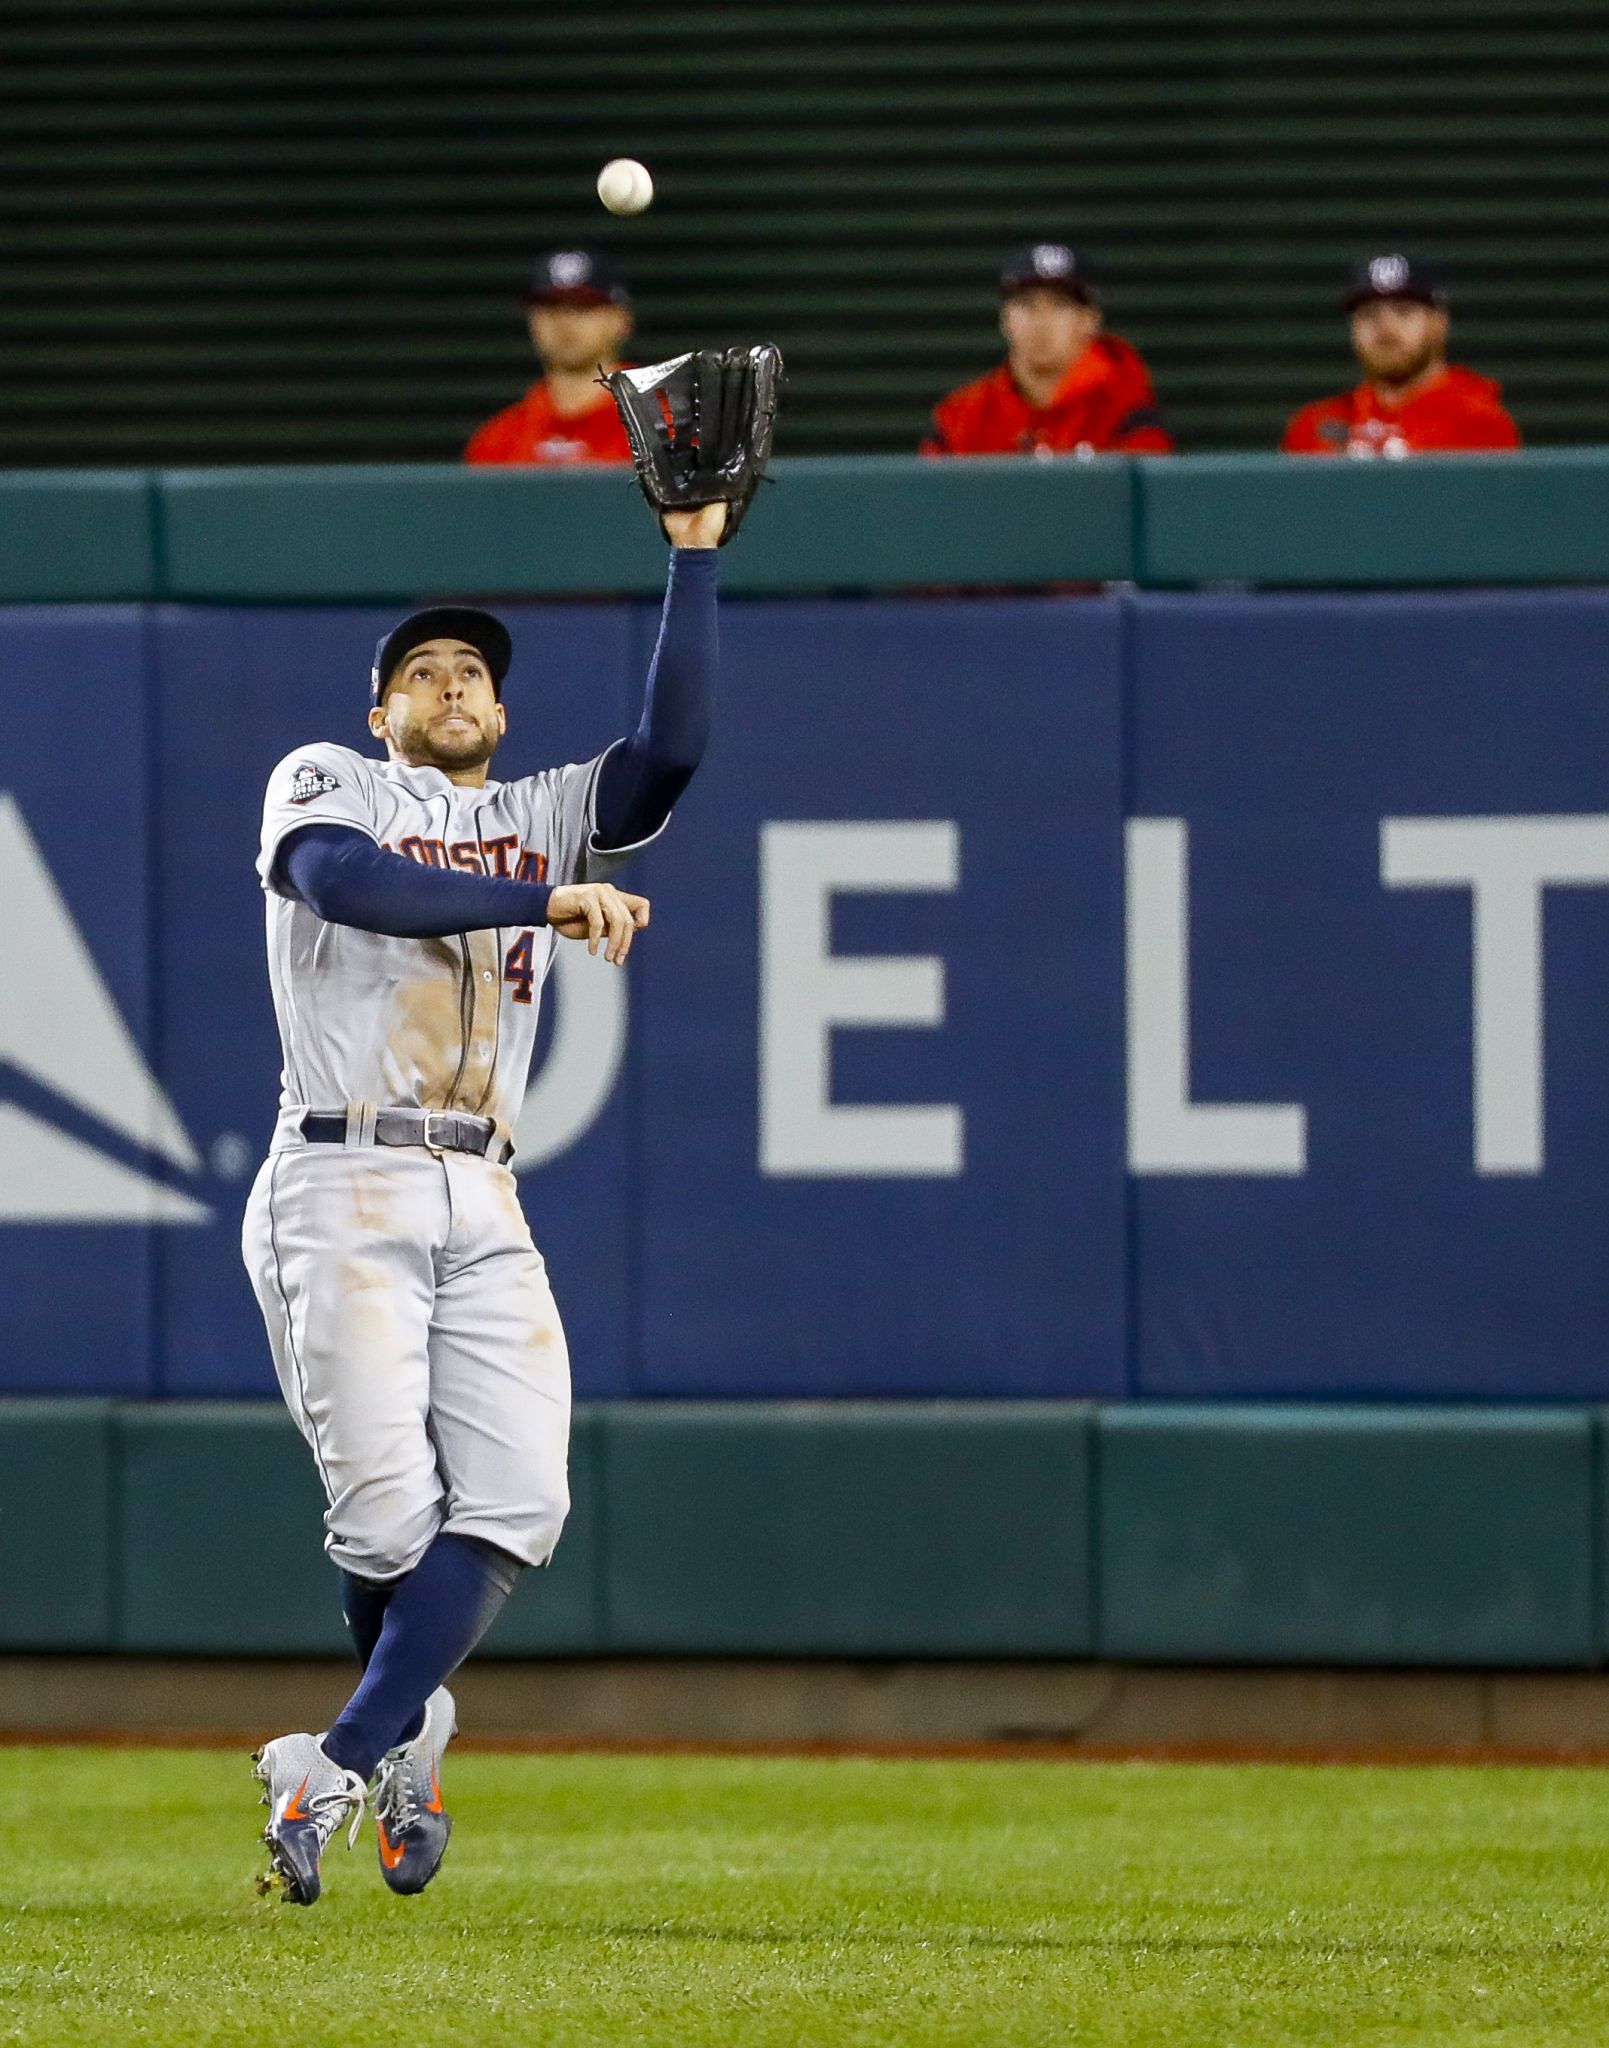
x=433, y=1803
x=388, y=1856
x=295, y=1810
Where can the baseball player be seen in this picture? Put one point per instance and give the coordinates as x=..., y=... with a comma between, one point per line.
x=414, y=906
x=1412, y=401
x=1066, y=386
x=579, y=314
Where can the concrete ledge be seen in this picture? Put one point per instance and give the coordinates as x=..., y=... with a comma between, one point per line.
x=995, y=1708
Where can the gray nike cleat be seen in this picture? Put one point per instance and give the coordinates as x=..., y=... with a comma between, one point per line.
x=308, y=1797
x=408, y=1815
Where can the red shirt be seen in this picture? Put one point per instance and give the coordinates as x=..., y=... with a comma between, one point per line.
x=1459, y=409
x=531, y=431
x=1104, y=404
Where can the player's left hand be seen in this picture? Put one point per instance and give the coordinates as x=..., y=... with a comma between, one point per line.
x=700, y=528
x=599, y=913
x=700, y=429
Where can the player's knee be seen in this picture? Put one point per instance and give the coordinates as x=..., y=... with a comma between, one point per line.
x=547, y=1520
x=538, y=1521
x=527, y=1527
x=378, y=1536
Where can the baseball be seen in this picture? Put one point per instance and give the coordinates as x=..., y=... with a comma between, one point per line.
x=624, y=185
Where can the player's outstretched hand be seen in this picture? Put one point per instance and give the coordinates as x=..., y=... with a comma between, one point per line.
x=599, y=913
x=701, y=528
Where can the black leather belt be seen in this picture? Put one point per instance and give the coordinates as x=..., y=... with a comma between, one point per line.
x=442, y=1130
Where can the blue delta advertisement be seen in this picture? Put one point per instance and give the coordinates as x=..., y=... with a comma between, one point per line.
x=1194, y=996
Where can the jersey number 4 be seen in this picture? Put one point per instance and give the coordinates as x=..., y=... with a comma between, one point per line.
x=518, y=969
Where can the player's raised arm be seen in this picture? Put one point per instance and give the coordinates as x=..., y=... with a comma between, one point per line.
x=640, y=780
x=700, y=431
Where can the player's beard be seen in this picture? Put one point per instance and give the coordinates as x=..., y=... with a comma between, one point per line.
x=426, y=745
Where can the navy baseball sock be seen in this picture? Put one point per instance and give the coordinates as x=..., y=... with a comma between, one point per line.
x=434, y=1618
x=365, y=1602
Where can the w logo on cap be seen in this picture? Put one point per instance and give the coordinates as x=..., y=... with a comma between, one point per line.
x=1389, y=273
x=570, y=266
x=1052, y=259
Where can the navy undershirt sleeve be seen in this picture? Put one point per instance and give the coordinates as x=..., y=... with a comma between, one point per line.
x=343, y=877
x=641, y=779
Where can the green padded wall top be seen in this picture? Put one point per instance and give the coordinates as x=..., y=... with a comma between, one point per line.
x=69, y=536
x=1294, y=1534
x=850, y=1530
x=1277, y=1534
x=56, y=1525
x=181, y=1471
x=1277, y=520
x=872, y=522
x=223, y=240
x=187, y=1472
x=376, y=533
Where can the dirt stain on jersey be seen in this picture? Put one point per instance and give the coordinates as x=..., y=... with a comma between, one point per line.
x=426, y=1037
x=485, y=981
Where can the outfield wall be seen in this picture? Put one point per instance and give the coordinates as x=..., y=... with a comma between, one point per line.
x=1282, y=1535
x=1192, y=995
x=1172, y=992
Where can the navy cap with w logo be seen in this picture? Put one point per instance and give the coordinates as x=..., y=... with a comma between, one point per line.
x=576, y=277
x=1393, y=276
x=1048, y=266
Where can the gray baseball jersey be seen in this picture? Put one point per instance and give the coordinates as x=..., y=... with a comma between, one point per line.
x=418, y=1023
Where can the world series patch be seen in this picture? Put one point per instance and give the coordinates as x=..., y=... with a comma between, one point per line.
x=310, y=781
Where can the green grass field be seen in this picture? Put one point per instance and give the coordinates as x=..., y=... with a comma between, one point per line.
x=673, y=1901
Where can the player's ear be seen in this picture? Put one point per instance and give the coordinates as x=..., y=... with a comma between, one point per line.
x=502, y=717
x=377, y=720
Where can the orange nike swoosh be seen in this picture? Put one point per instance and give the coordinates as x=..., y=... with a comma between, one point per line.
x=388, y=1856
x=433, y=1803
x=295, y=1810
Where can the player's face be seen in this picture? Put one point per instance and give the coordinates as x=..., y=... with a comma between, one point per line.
x=440, y=709
x=574, y=338
x=1398, y=340
x=1046, y=331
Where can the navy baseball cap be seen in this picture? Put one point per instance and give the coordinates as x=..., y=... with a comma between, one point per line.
x=576, y=277
x=488, y=636
x=1392, y=277
x=1050, y=266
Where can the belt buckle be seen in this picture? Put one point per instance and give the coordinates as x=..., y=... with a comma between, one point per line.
x=438, y=1116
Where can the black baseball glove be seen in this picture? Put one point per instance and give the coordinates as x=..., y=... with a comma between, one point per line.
x=700, y=427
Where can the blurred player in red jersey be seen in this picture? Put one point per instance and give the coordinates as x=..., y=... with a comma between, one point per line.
x=1065, y=388
x=1411, y=400
x=580, y=315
